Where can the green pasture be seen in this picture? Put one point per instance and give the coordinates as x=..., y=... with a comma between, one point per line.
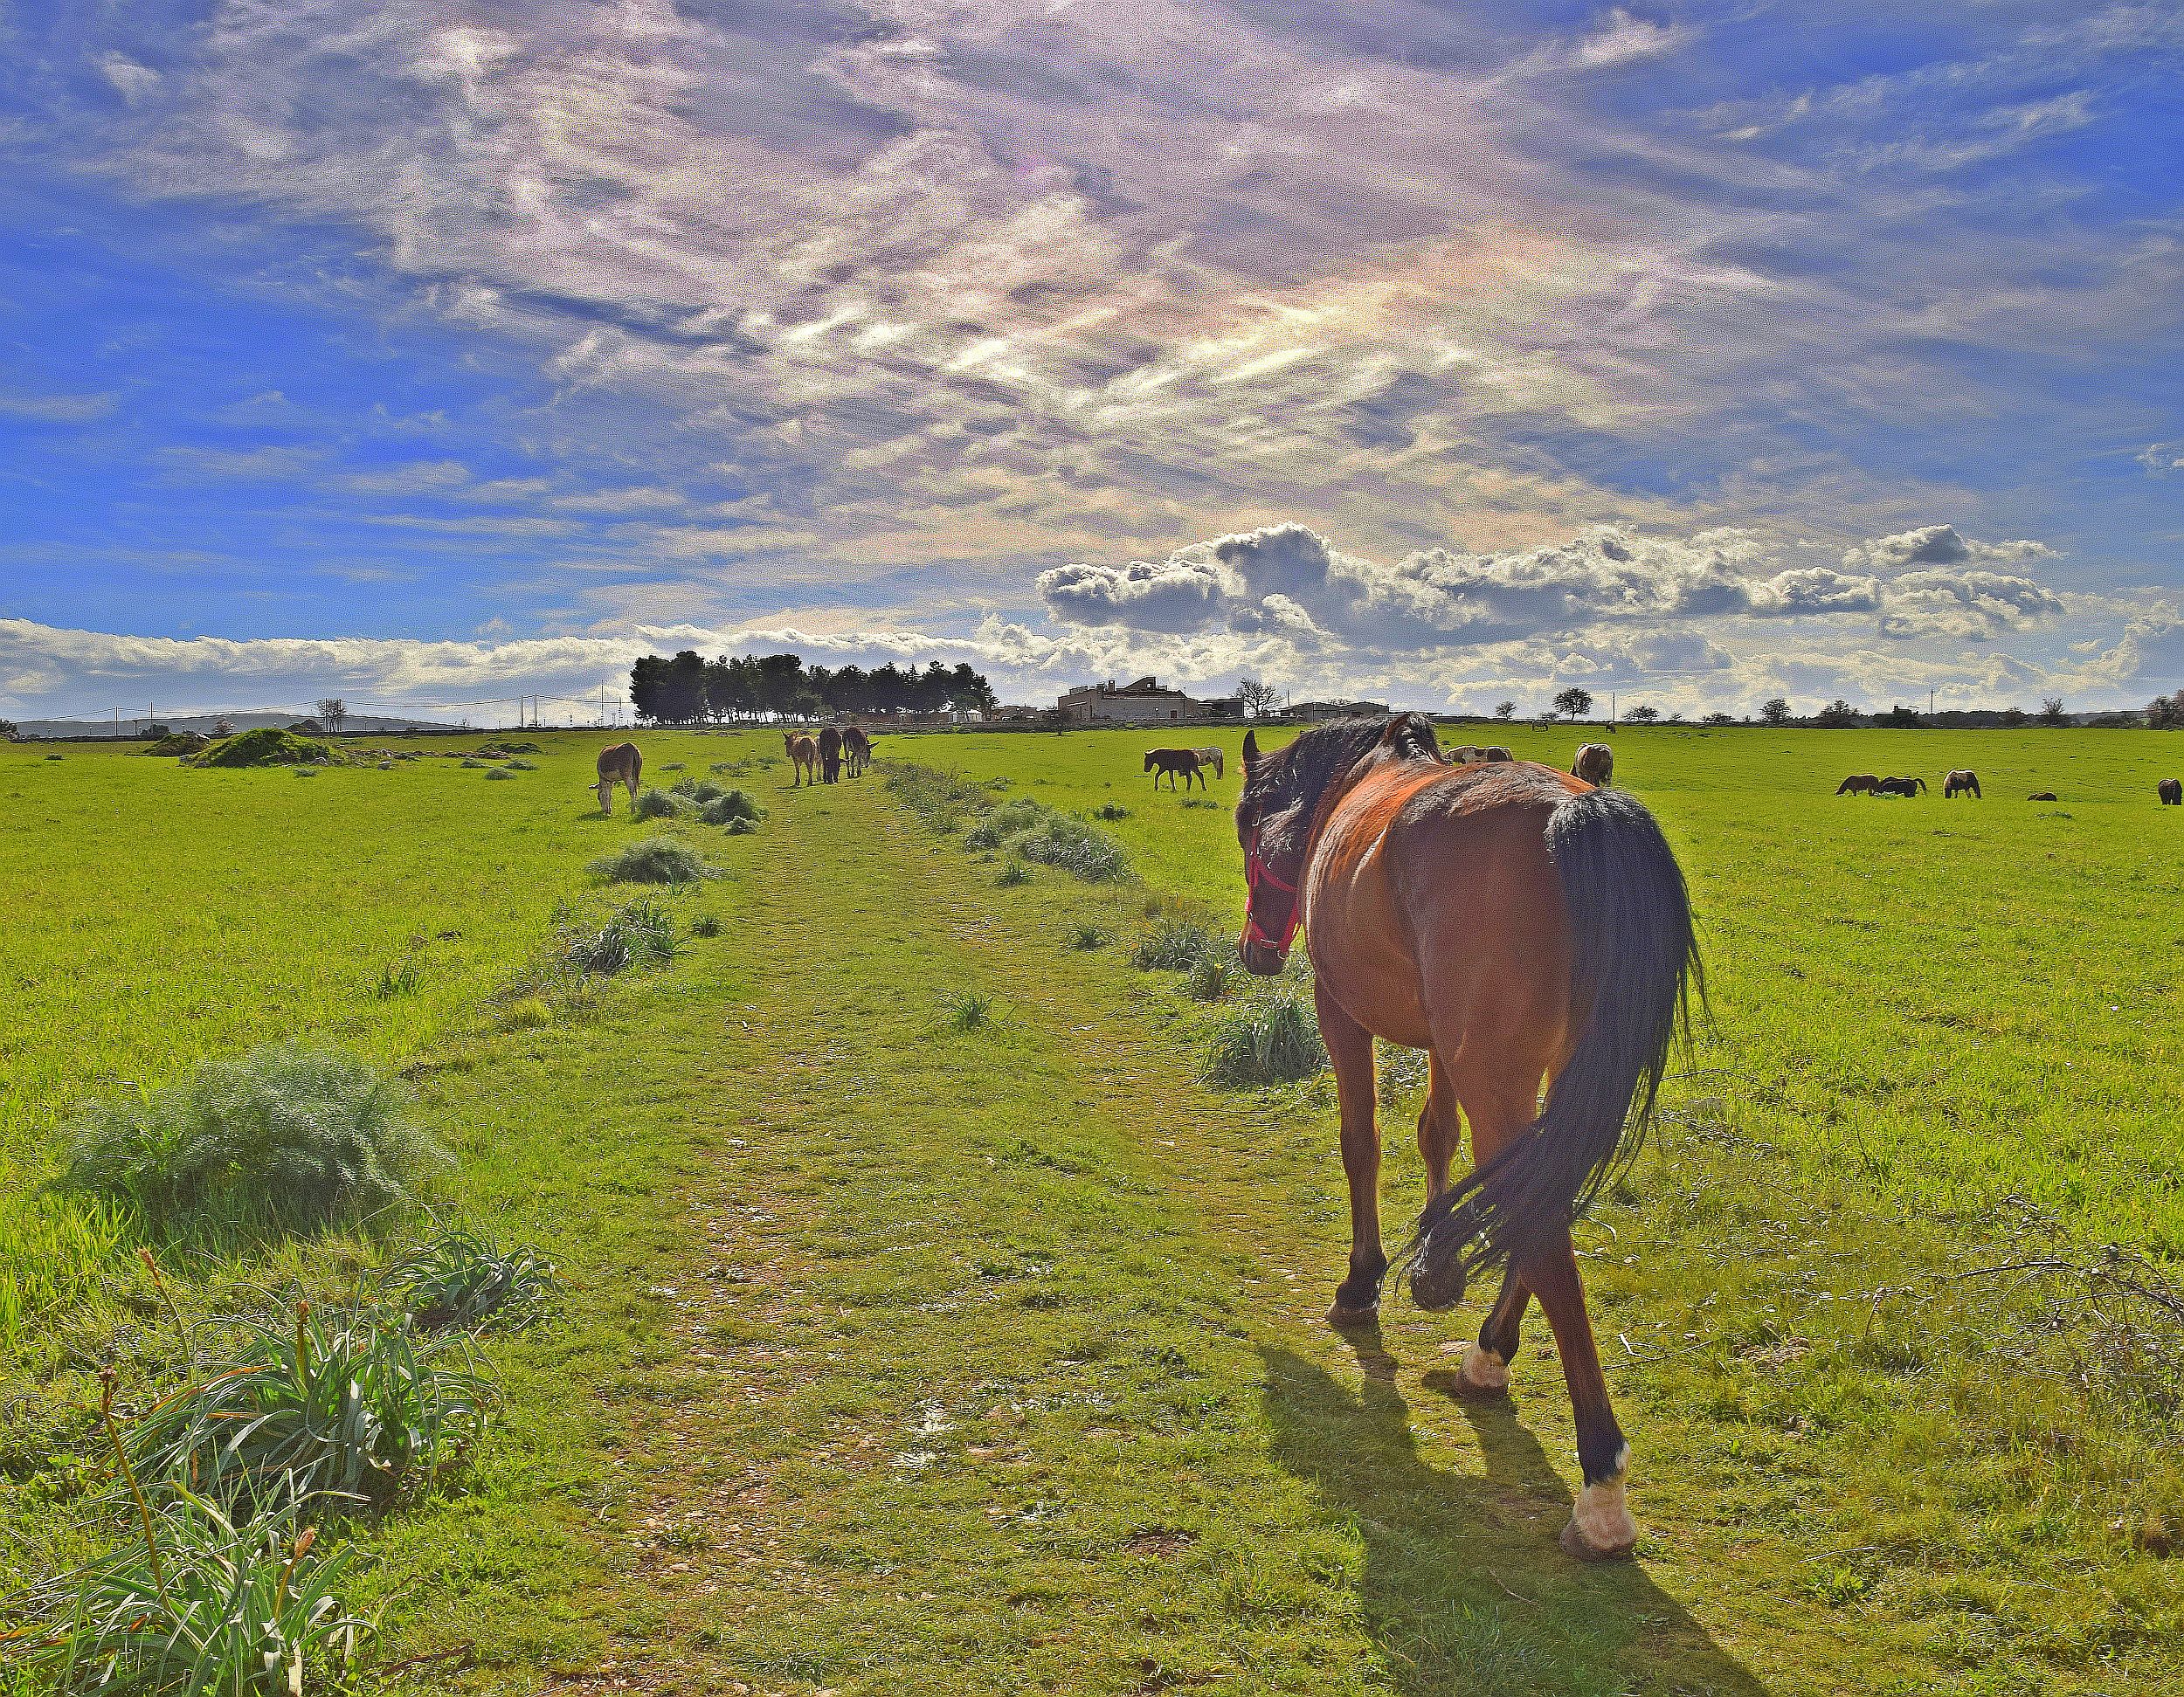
x=900, y=1352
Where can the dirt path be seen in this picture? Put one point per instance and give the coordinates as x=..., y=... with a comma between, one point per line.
x=988, y=1360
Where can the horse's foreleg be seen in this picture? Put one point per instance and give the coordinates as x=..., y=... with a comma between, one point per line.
x=1600, y=1526
x=1350, y=1049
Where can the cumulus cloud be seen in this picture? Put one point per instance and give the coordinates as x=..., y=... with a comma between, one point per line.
x=1936, y=545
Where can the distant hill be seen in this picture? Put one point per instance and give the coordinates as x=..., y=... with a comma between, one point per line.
x=358, y=724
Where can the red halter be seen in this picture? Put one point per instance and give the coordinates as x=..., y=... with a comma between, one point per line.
x=1256, y=872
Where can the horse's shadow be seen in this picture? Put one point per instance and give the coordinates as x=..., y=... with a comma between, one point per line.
x=1464, y=1588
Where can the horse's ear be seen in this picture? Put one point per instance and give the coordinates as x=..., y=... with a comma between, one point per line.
x=1251, y=749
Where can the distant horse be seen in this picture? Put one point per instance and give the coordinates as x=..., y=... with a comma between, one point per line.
x=1858, y=783
x=2041, y=796
x=1899, y=787
x=1958, y=780
x=1496, y=753
x=1518, y=926
x=1465, y=753
x=858, y=747
x=1595, y=764
x=802, y=754
x=1214, y=758
x=2171, y=792
x=618, y=763
x=1171, y=761
x=830, y=753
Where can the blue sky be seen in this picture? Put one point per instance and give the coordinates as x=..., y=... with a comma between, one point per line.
x=437, y=352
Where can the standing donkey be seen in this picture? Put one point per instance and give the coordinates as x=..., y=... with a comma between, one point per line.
x=618, y=763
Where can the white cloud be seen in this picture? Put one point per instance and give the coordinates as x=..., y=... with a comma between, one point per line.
x=132, y=81
x=55, y=409
x=1623, y=39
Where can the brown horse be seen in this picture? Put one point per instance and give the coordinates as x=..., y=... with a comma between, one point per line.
x=2041, y=796
x=1517, y=926
x=857, y=748
x=1858, y=783
x=618, y=763
x=1961, y=780
x=1495, y=754
x=1900, y=787
x=1171, y=761
x=1214, y=758
x=1595, y=764
x=2171, y=791
x=830, y=753
x=802, y=754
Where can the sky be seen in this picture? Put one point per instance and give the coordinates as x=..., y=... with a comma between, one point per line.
x=434, y=353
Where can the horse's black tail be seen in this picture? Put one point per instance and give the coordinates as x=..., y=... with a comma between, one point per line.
x=1634, y=964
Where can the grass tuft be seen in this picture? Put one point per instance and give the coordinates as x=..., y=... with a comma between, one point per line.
x=967, y=1011
x=1013, y=874
x=460, y=1279
x=639, y=934
x=706, y=924
x=291, y=1137
x=1085, y=935
x=1210, y=978
x=1272, y=1039
x=732, y=807
x=1173, y=945
x=657, y=805
x=266, y=745
x=655, y=860
x=499, y=772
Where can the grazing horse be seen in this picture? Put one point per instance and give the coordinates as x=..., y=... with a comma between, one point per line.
x=1858, y=783
x=858, y=747
x=1466, y=752
x=618, y=763
x=2041, y=796
x=1214, y=758
x=1171, y=761
x=802, y=754
x=1899, y=786
x=1518, y=926
x=1496, y=753
x=1961, y=779
x=2171, y=791
x=830, y=753
x=1595, y=764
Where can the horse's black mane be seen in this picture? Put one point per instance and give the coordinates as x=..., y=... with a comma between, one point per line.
x=1324, y=753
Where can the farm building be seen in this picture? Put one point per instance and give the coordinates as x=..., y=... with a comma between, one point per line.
x=1147, y=701
x=1313, y=712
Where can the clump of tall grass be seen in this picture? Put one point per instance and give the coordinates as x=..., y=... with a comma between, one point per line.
x=334, y=1414
x=1173, y=945
x=1110, y=813
x=467, y=764
x=967, y=1011
x=1271, y=1040
x=499, y=772
x=1013, y=874
x=671, y=766
x=285, y=1136
x=942, y=800
x=727, y=807
x=1035, y=831
x=1085, y=935
x=654, y=860
x=696, y=790
x=195, y=1603
x=1210, y=978
x=399, y=978
x=462, y=1279
x=1004, y=822
x=639, y=933
x=706, y=924
x=657, y=805
x=51, y=1250
x=522, y=766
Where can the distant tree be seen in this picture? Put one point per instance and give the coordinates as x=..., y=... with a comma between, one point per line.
x=1724, y=718
x=1505, y=710
x=1900, y=717
x=2166, y=713
x=2051, y=711
x=1641, y=715
x=668, y=692
x=1775, y=710
x=222, y=725
x=331, y=710
x=1837, y=716
x=1574, y=703
x=2015, y=717
x=1259, y=697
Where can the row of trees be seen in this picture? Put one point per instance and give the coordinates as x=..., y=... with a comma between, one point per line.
x=688, y=689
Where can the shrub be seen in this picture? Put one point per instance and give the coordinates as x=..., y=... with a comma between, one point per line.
x=469, y=765
x=705, y=925
x=740, y=827
x=333, y=1415
x=671, y=766
x=523, y=766
x=460, y=1277
x=728, y=805
x=1173, y=945
x=1111, y=811
x=288, y=1136
x=655, y=860
x=501, y=772
x=697, y=789
x=198, y=1605
x=266, y=745
x=1086, y=935
x=1273, y=1039
x=1003, y=822
x=1072, y=846
x=1212, y=977
x=639, y=934
x=657, y=805
x=1013, y=874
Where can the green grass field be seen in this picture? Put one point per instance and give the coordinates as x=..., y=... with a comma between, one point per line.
x=901, y=1355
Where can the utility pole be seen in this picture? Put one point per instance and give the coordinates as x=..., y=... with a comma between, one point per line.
x=1930, y=702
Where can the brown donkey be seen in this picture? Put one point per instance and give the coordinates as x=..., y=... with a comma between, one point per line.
x=857, y=749
x=830, y=753
x=621, y=764
x=1518, y=925
x=802, y=754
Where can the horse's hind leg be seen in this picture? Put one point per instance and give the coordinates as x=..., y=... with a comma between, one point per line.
x=1600, y=1526
x=1350, y=1050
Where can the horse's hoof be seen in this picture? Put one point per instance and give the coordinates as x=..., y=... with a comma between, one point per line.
x=1600, y=1528
x=1482, y=1378
x=1344, y=1318
x=1438, y=1290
